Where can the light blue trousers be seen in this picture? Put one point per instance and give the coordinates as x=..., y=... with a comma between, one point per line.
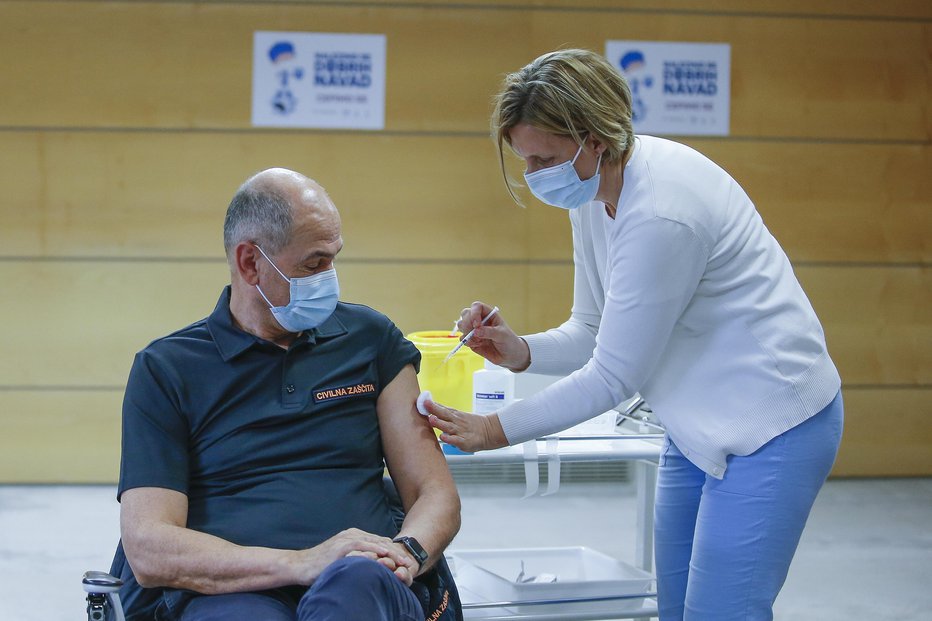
x=723, y=547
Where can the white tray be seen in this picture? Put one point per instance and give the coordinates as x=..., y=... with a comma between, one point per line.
x=492, y=576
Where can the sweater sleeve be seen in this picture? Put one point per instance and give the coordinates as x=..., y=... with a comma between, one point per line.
x=566, y=348
x=655, y=270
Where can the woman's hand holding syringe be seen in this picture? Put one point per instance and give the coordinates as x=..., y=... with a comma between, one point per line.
x=494, y=341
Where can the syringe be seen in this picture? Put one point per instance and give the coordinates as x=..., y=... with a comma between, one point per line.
x=485, y=320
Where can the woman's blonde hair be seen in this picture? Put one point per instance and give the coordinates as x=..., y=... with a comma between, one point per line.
x=571, y=93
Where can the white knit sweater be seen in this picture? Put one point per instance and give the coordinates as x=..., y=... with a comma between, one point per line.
x=688, y=299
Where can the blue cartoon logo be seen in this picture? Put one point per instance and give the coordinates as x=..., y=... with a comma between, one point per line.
x=282, y=54
x=634, y=68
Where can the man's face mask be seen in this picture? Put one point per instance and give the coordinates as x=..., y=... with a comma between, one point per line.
x=561, y=186
x=313, y=299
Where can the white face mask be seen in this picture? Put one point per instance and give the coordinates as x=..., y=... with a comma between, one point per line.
x=561, y=186
x=313, y=299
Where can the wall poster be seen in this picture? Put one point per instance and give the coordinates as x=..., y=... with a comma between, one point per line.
x=676, y=88
x=318, y=79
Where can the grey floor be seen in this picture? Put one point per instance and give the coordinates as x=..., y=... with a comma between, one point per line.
x=866, y=553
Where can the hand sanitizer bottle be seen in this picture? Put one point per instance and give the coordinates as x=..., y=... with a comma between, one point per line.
x=493, y=387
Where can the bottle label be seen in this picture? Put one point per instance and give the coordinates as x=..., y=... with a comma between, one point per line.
x=500, y=396
x=488, y=402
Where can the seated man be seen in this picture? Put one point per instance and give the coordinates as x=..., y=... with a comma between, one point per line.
x=255, y=441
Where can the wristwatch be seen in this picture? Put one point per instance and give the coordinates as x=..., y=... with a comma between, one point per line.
x=415, y=548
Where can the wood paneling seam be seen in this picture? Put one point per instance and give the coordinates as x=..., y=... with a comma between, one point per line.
x=420, y=261
x=63, y=129
x=505, y=7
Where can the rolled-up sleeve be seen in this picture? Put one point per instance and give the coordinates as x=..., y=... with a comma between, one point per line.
x=155, y=433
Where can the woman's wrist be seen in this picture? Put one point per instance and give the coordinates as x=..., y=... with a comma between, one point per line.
x=494, y=433
x=522, y=360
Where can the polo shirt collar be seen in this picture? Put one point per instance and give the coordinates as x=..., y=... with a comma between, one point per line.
x=231, y=341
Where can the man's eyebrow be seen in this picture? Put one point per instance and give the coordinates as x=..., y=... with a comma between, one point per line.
x=322, y=254
x=318, y=254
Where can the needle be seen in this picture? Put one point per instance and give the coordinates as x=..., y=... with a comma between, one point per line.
x=469, y=336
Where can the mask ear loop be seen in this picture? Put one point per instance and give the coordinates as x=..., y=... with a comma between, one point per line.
x=575, y=157
x=271, y=263
x=263, y=296
x=276, y=269
x=598, y=164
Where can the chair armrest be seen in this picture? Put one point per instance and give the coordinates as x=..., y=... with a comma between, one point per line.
x=103, y=596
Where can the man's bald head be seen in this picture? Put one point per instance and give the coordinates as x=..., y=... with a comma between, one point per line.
x=265, y=208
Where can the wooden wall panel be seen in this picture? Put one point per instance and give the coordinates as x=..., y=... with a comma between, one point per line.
x=147, y=64
x=877, y=321
x=125, y=128
x=95, y=315
x=55, y=436
x=858, y=203
x=887, y=432
x=550, y=298
x=430, y=296
x=60, y=436
x=791, y=78
x=905, y=9
x=73, y=436
x=130, y=194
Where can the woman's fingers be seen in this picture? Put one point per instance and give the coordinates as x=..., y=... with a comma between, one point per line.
x=472, y=316
x=461, y=429
x=494, y=341
x=479, y=311
x=500, y=345
x=451, y=423
x=466, y=431
x=440, y=416
x=465, y=322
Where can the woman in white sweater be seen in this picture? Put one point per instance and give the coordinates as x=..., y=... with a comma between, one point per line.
x=681, y=294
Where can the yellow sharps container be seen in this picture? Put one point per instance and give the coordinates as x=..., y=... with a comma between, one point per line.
x=451, y=383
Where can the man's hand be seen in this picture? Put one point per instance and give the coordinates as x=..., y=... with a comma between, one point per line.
x=405, y=573
x=310, y=563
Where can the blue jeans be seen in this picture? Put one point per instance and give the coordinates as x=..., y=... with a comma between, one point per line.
x=350, y=588
x=723, y=547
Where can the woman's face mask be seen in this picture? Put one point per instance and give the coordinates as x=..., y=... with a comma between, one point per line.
x=313, y=299
x=561, y=186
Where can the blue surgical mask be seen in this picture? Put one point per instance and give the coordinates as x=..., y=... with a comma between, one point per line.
x=313, y=299
x=561, y=186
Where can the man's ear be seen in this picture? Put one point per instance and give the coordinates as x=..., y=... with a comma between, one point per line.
x=245, y=261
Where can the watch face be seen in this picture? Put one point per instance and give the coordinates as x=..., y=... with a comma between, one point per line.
x=415, y=548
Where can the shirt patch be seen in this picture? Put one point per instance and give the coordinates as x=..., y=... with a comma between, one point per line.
x=341, y=392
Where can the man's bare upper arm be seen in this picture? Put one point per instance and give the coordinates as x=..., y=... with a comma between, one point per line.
x=146, y=505
x=411, y=450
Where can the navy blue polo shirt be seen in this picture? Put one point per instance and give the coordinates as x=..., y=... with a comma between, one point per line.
x=273, y=447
